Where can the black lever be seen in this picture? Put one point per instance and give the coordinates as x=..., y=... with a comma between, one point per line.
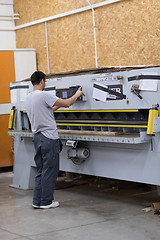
x=135, y=89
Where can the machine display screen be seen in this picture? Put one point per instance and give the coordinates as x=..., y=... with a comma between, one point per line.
x=64, y=94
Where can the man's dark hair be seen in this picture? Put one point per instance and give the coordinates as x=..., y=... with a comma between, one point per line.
x=36, y=77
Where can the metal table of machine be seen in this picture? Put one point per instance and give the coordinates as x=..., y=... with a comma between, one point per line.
x=134, y=138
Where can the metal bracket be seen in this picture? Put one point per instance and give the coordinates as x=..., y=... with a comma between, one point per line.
x=72, y=143
x=156, y=125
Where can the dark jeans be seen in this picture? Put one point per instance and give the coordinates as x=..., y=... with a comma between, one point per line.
x=47, y=162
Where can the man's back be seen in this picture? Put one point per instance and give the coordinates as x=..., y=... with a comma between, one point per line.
x=39, y=109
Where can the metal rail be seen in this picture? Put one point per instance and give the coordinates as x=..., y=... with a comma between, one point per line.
x=104, y=122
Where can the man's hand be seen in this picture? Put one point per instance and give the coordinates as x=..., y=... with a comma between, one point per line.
x=69, y=101
x=79, y=92
x=55, y=108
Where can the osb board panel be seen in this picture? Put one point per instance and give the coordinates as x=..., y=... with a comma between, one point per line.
x=7, y=74
x=127, y=34
x=71, y=43
x=6, y=156
x=34, y=37
x=31, y=10
x=96, y=1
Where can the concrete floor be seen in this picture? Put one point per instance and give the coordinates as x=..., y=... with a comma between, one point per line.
x=86, y=212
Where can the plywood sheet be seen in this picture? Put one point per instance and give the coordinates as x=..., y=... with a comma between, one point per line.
x=31, y=10
x=71, y=43
x=34, y=37
x=127, y=34
x=93, y=133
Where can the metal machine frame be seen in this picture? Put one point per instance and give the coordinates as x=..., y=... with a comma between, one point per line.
x=110, y=132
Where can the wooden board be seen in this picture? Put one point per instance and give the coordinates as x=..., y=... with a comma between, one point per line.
x=80, y=132
x=127, y=33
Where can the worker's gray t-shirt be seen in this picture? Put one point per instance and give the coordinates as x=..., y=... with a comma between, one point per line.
x=39, y=110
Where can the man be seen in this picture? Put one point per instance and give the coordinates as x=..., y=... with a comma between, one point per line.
x=40, y=106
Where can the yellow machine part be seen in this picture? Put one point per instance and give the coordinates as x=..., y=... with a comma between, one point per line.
x=6, y=158
x=12, y=119
x=152, y=114
x=100, y=125
x=98, y=110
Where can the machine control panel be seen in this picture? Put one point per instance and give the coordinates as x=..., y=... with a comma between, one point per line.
x=65, y=93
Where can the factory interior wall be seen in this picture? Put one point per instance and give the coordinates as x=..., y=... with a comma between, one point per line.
x=7, y=35
x=7, y=74
x=127, y=32
x=6, y=157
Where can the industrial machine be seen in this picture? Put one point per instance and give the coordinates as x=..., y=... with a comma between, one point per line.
x=112, y=131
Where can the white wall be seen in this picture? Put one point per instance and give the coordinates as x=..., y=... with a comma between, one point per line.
x=5, y=108
x=7, y=36
x=24, y=59
x=25, y=63
x=7, y=33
